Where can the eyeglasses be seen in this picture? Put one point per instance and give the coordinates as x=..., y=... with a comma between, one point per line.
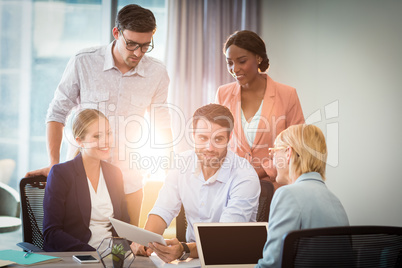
x=273, y=150
x=133, y=46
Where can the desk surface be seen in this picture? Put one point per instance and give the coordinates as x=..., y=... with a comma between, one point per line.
x=9, y=224
x=67, y=261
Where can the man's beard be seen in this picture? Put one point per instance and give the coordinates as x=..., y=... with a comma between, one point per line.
x=211, y=159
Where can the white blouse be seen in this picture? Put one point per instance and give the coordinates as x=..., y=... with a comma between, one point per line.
x=250, y=128
x=101, y=210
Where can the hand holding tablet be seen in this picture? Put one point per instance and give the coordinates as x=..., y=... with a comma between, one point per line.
x=136, y=234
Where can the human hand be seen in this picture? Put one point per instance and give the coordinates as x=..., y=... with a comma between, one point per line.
x=140, y=249
x=168, y=253
x=43, y=171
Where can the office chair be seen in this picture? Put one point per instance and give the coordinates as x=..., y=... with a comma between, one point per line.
x=267, y=192
x=9, y=209
x=32, y=190
x=181, y=225
x=348, y=246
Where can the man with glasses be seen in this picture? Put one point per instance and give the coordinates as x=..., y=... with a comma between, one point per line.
x=123, y=82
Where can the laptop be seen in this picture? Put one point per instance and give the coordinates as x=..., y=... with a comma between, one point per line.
x=230, y=244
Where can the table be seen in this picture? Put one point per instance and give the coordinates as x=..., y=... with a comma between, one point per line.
x=67, y=260
x=9, y=224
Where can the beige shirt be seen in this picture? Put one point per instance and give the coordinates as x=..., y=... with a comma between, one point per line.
x=91, y=80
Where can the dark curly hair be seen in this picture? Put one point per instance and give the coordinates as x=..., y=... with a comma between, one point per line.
x=250, y=41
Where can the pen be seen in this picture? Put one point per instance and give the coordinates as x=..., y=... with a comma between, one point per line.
x=29, y=252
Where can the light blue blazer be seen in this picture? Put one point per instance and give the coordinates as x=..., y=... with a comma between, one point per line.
x=303, y=205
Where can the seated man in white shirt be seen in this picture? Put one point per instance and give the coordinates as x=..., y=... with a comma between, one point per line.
x=212, y=183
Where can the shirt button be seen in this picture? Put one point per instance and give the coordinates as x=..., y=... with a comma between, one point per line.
x=112, y=107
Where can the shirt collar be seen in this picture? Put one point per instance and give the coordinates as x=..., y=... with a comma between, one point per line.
x=109, y=62
x=140, y=68
x=222, y=174
x=310, y=176
x=197, y=171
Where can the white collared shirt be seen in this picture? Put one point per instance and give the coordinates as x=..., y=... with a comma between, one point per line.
x=92, y=80
x=101, y=210
x=231, y=195
x=198, y=170
x=250, y=128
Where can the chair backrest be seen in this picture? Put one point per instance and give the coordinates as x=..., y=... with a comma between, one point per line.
x=32, y=191
x=348, y=246
x=267, y=192
x=181, y=225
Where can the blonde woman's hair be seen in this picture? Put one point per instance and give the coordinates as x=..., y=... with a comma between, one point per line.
x=83, y=120
x=309, y=149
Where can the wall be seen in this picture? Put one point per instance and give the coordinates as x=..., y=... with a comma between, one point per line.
x=345, y=56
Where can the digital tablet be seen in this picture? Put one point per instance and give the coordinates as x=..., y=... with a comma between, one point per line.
x=136, y=234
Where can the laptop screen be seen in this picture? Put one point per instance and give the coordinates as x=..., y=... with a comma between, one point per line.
x=229, y=244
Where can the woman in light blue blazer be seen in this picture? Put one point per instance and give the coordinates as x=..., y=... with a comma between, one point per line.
x=300, y=156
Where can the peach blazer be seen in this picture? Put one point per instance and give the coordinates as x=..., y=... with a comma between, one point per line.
x=281, y=108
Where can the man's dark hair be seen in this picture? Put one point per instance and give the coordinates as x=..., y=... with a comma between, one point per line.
x=215, y=113
x=135, y=18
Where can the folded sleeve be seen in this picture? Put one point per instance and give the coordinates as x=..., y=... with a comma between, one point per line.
x=66, y=95
x=168, y=204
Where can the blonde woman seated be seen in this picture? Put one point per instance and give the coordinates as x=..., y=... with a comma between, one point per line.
x=300, y=156
x=82, y=193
